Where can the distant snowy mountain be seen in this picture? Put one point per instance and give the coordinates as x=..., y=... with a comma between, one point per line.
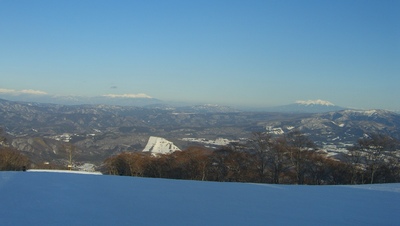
x=314, y=102
x=307, y=106
x=207, y=108
x=159, y=145
x=138, y=100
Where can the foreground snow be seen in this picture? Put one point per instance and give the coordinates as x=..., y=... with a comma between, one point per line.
x=46, y=198
x=65, y=171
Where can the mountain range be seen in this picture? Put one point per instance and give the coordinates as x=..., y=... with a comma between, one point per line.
x=138, y=100
x=43, y=131
x=310, y=106
x=143, y=100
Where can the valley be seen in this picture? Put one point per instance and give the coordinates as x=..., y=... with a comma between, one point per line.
x=45, y=131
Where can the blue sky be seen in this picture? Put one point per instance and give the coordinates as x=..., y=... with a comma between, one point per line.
x=240, y=53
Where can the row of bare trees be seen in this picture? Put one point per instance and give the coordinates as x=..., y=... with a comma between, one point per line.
x=375, y=159
x=289, y=159
x=12, y=160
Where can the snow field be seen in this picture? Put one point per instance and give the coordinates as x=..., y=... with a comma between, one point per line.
x=46, y=198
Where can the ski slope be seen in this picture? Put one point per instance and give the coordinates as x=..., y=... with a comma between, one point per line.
x=46, y=198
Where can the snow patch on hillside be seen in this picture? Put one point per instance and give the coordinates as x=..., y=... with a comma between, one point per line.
x=368, y=113
x=216, y=142
x=274, y=130
x=159, y=145
x=340, y=124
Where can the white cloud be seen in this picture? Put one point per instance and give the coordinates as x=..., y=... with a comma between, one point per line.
x=9, y=91
x=25, y=91
x=139, y=95
x=33, y=92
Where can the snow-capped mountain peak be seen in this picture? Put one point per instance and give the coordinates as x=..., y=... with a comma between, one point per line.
x=308, y=106
x=315, y=102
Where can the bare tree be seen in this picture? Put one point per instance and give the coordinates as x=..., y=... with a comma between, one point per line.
x=377, y=149
x=11, y=159
x=277, y=159
x=299, y=145
x=261, y=144
x=3, y=139
x=355, y=165
x=70, y=150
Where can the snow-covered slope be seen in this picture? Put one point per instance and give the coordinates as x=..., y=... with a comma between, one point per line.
x=159, y=145
x=40, y=198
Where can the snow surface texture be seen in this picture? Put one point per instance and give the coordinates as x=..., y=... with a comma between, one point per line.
x=65, y=171
x=45, y=198
x=158, y=145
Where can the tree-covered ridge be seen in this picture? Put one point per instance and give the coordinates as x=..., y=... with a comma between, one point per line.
x=286, y=159
x=290, y=158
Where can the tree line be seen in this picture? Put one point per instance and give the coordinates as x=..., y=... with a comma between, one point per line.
x=12, y=159
x=291, y=158
x=287, y=159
